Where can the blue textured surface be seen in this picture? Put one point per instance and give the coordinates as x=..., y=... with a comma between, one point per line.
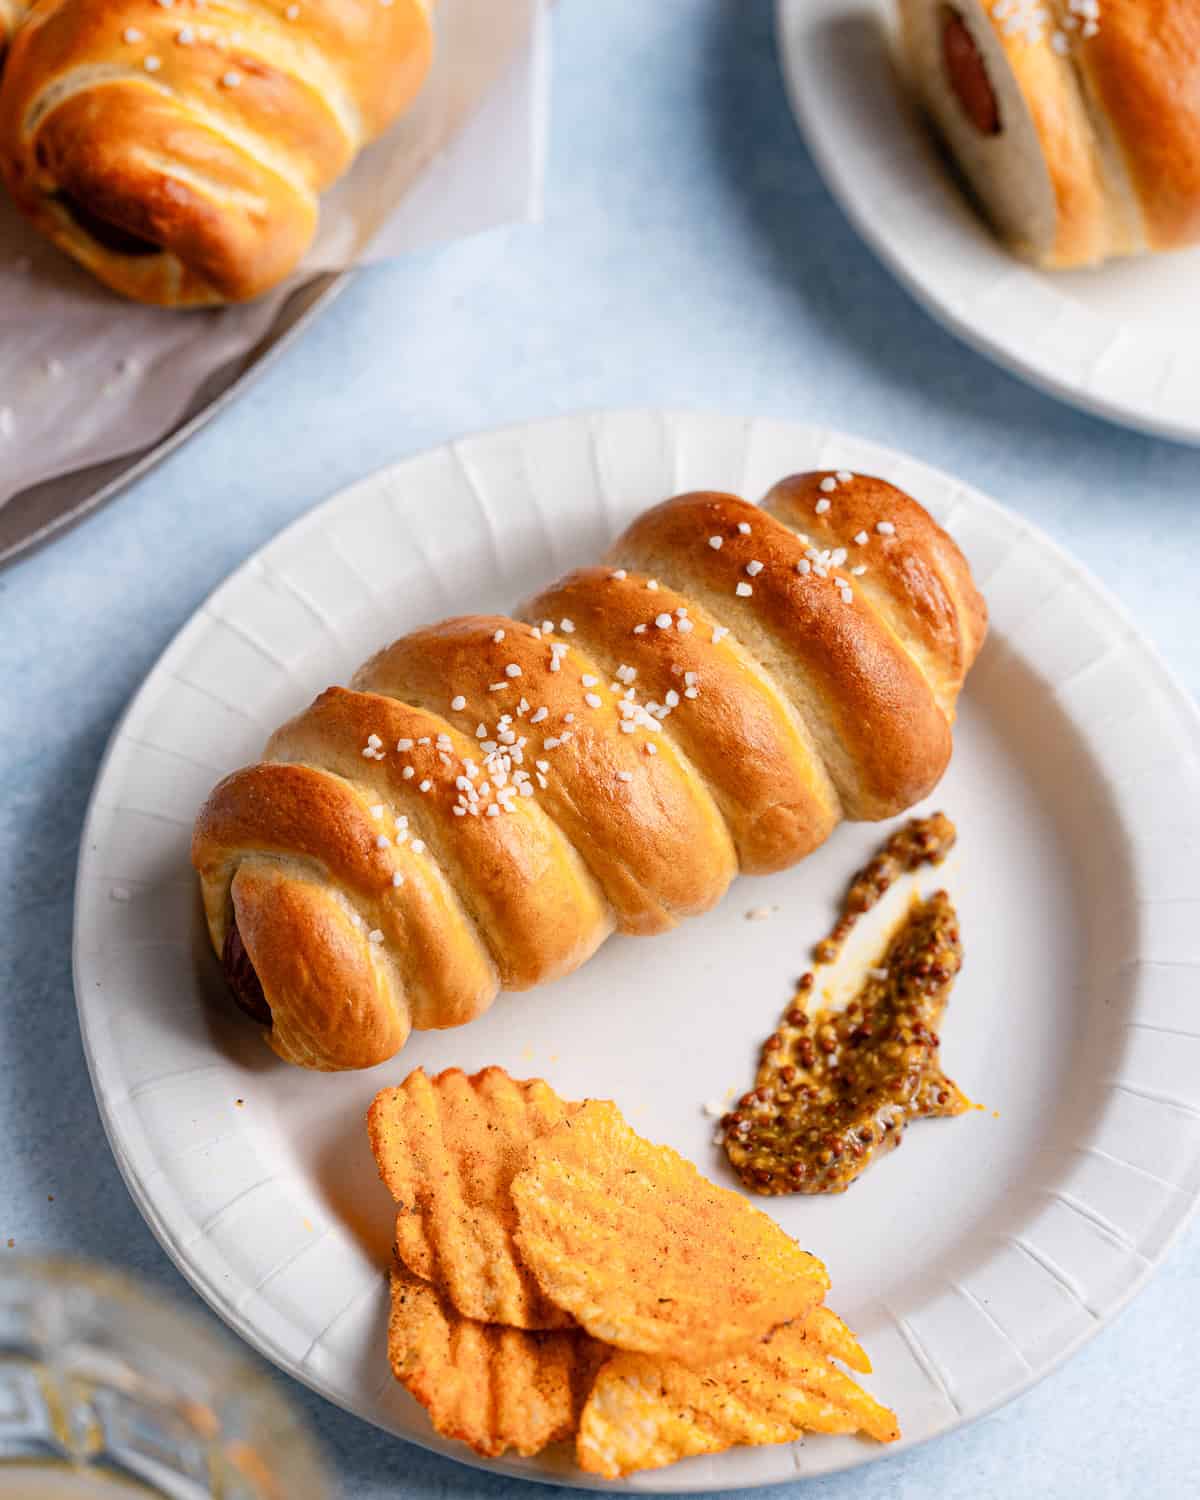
x=690, y=256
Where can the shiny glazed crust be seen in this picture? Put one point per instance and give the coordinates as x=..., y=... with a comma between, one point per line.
x=206, y=127
x=658, y=759
x=1116, y=114
x=1143, y=70
x=11, y=12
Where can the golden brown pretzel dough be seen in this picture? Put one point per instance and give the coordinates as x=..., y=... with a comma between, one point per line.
x=493, y=795
x=177, y=148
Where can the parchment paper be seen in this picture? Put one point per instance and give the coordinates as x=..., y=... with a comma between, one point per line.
x=85, y=375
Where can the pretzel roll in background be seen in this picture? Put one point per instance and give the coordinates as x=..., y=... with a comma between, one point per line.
x=493, y=795
x=1076, y=123
x=178, y=149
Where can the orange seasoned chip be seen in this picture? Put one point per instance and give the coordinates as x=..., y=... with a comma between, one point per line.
x=493, y=1388
x=824, y=1328
x=447, y=1148
x=646, y=1253
x=644, y=1413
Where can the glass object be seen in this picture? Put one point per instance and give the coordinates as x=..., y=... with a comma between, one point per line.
x=108, y=1392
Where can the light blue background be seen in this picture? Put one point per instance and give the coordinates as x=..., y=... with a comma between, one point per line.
x=690, y=256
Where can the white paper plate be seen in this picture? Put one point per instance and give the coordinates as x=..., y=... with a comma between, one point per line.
x=988, y=1250
x=1106, y=340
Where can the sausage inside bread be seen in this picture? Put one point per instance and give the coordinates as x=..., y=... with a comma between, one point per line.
x=1076, y=123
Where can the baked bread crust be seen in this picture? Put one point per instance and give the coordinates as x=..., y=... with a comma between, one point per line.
x=1143, y=69
x=493, y=796
x=1111, y=109
x=179, y=152
x=11, y=12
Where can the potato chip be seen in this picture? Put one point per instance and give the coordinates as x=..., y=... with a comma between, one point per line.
x=447, y=1148
x=646, y=1253
x=644, y=1413
x=824, y=1327
x=493, y=1388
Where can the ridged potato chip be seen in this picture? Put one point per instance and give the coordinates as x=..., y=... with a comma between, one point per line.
x=644, y=1413
x=826, y=1329
x=493, y=1388
x=447, y=1148
x=646, y=1253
